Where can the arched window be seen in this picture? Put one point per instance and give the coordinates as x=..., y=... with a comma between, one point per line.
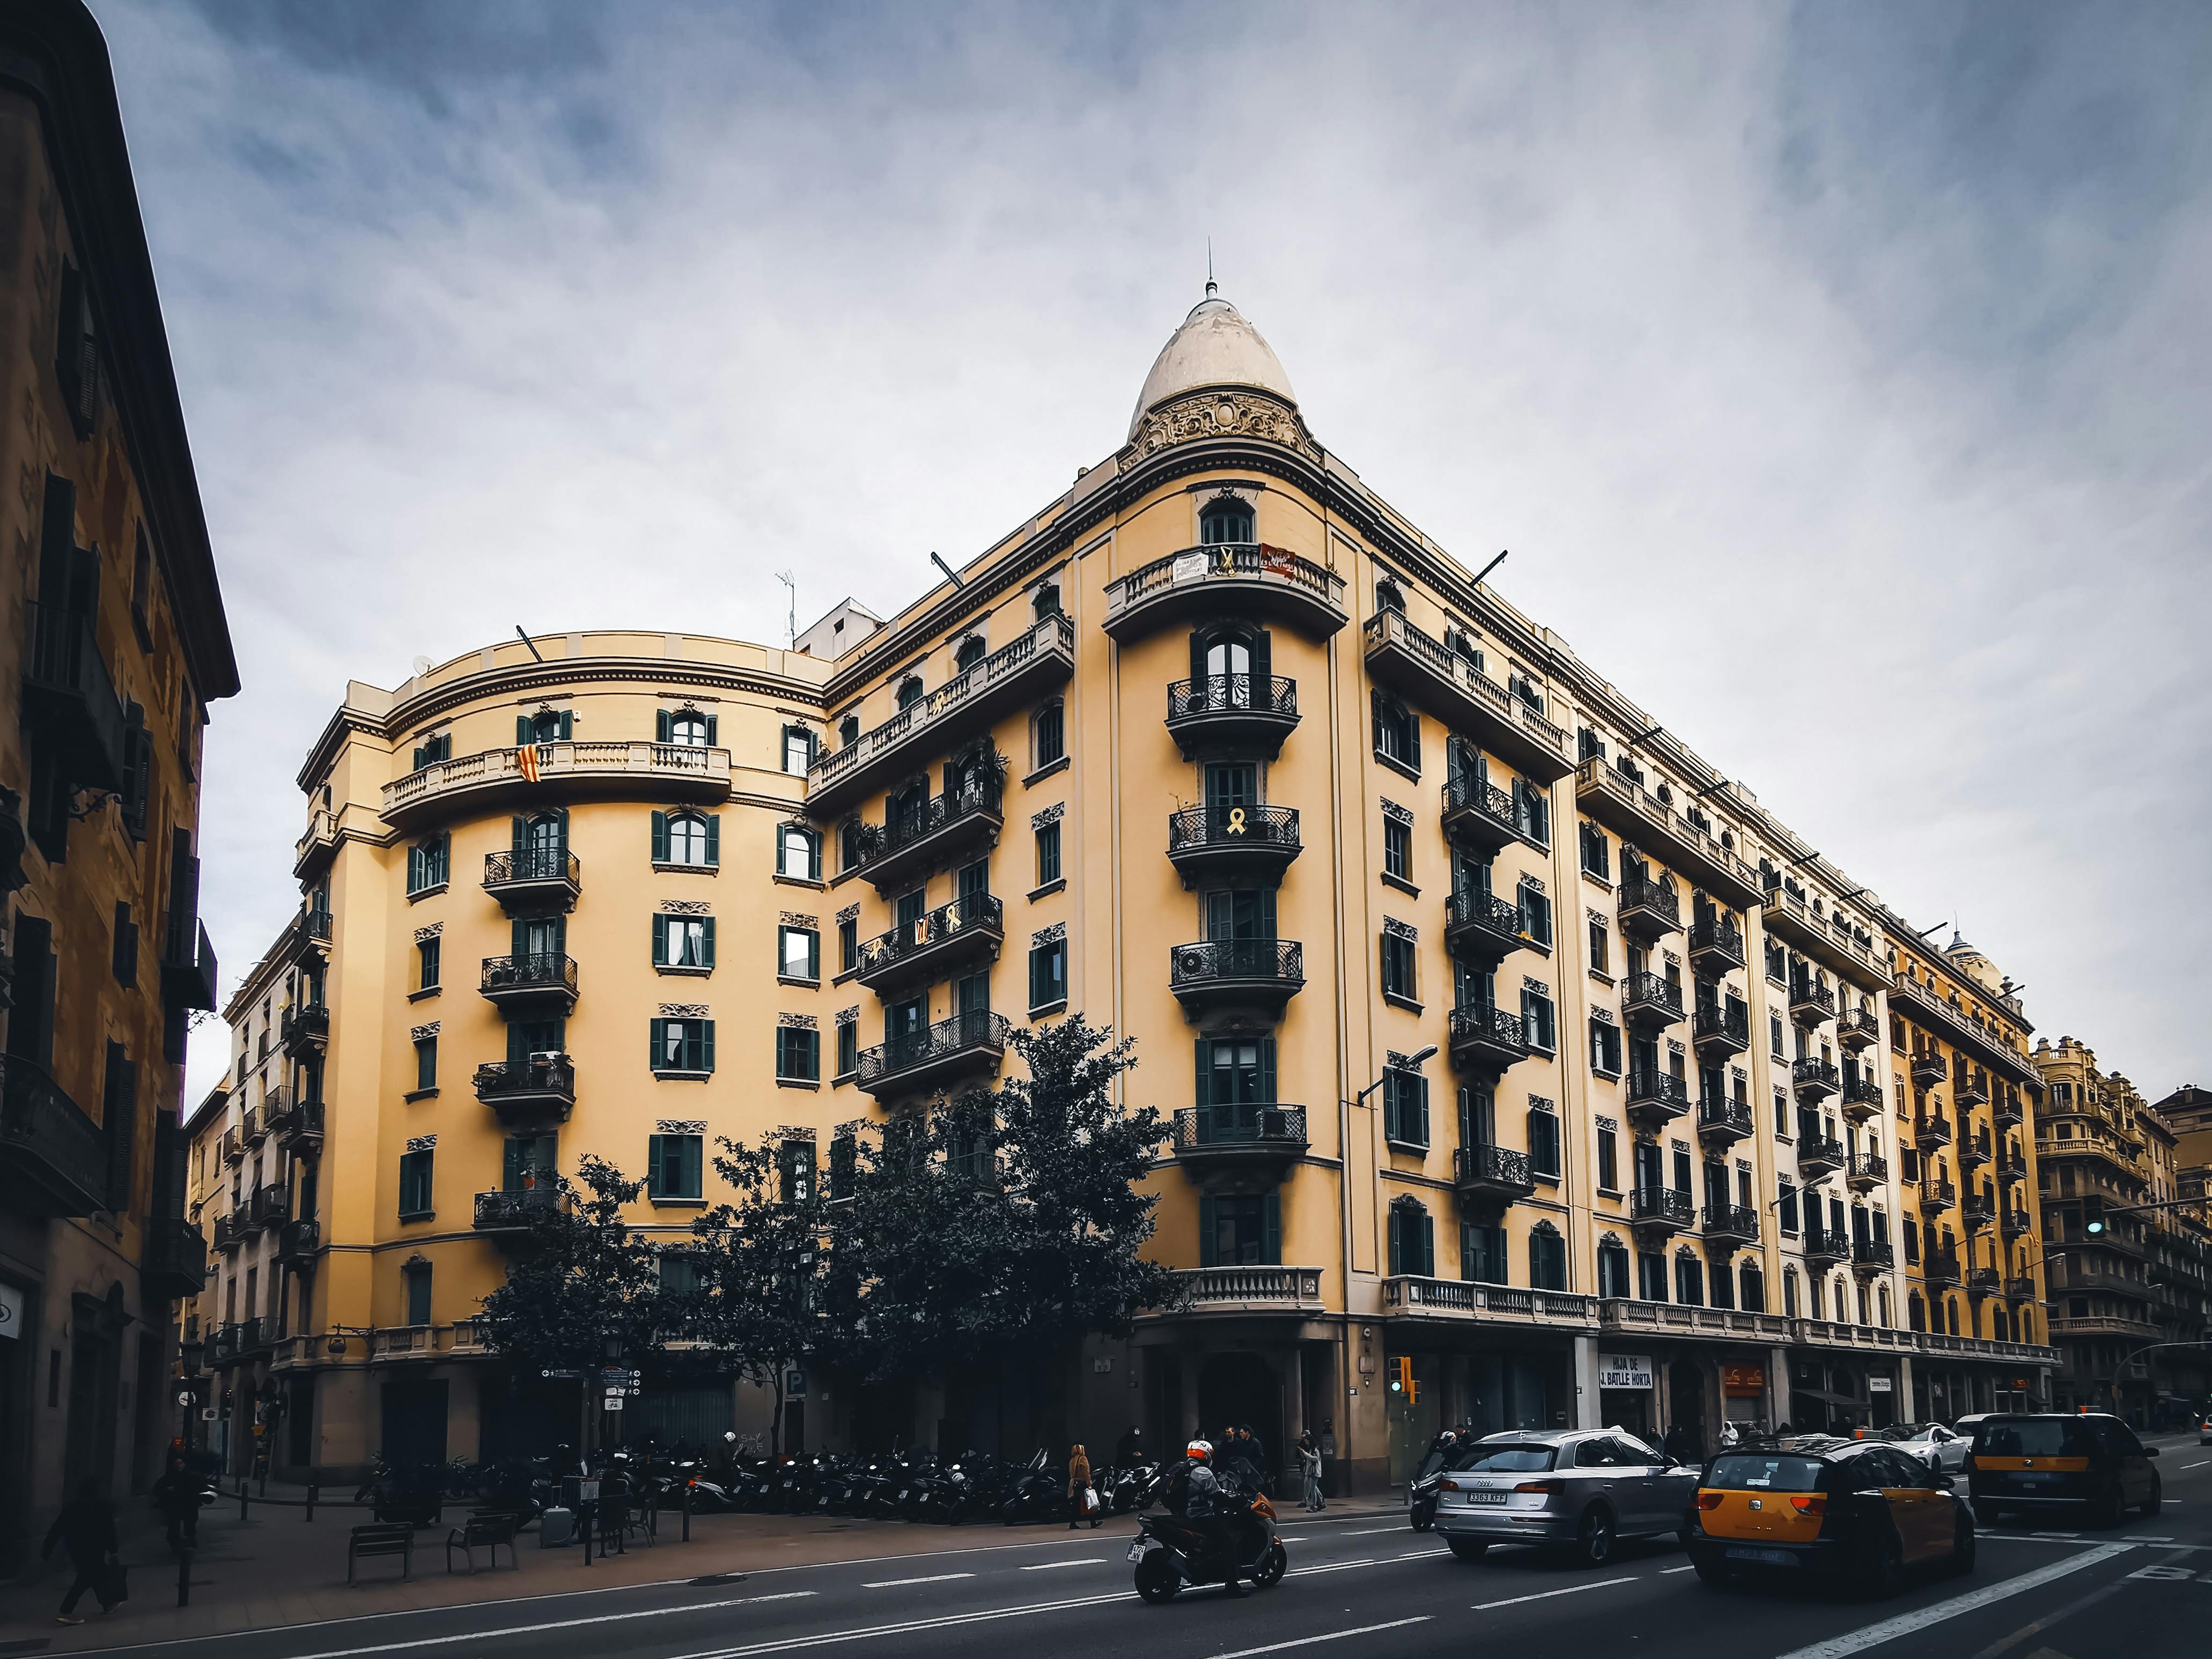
x=688, y=727
x=1397, y=733
x=1916, y=1312
x=1047, y=735
x=852, y=844
x=848, y=730
x=1226, y=519
x=1689, y=1279
x=1951, y=1313
x=1790, y=1292
x=798, y=749
x=1548, y=1258
x=543, y=836
x=1886, y=1319
x=2027, y=1325
x=1611, y=1267
x=1413, y=1239
x=1047, y=602
x=909, y=691
x=1389, y=597
x=688, y=838
x=546, y=725
x=798, y=853
x=905, y=809
x=970, y=652
x=1751, y=1288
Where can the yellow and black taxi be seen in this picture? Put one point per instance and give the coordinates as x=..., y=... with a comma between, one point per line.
x=2086, y=1461
x=1858, y=1514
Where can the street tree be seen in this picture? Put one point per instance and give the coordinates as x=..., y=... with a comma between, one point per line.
x=583, y=1286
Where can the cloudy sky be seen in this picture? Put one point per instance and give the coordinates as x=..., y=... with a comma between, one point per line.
x=1840, y=377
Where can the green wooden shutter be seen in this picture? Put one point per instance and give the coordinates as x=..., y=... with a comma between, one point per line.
x=1428, y=1245
x=522, y=731
x=660, y=837
x=714, y=839
x=567, y=727
x=707, y=942
x=1413, y=737
x=1267, y=1070
x=714, y=724
x=1207, y=1257
x=1271, y=1230
x=707, y=1045
x=657, y=1034
x=1421, y=1101
x=521, y=834
x=694, y=1176
x=1397, y=1232
x=1389, y=1105
x=655, y=1150
x=664, y=727
x=661, y=941
x=1263, y=666
x=1197, y=659
x=1374, y=716
x=1202, y=1084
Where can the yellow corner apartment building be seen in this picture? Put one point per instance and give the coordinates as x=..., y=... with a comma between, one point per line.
x=1501, y=1035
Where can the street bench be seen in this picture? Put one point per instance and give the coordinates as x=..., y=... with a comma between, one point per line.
x=486, y=1530
x=382, y=1538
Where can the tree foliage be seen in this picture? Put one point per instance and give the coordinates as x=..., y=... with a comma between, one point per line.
x=580, y=1276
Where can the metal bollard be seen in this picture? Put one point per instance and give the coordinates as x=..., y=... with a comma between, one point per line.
x=312, y=1490
x=687, y=1511
x=587, y=1514
x=184, y=1576
x=241, y=1498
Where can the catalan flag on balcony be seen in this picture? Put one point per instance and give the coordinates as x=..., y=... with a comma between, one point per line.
x=525, y=762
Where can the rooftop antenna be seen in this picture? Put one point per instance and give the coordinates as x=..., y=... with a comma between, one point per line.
x=1212, y=288
x=791, y=587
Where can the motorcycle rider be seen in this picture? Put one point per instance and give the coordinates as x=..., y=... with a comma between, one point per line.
x=1205, y=1502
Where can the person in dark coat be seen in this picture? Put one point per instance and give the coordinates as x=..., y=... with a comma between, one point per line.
x=1678, y=1443
x=176, y=1499
x=86, y=1527
x=1255, y=1454
x=1129, y=1449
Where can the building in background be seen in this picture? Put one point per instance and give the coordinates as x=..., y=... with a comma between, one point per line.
x=1501, y=1034
x=113, y=644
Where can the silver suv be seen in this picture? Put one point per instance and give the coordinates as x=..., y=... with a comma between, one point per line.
x=1579, y=1490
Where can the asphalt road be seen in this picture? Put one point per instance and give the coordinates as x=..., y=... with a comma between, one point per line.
x=2138, y=1591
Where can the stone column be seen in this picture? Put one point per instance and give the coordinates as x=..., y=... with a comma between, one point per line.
x=1187, y=1361
x=1586, y=1408
x=1777, y=1387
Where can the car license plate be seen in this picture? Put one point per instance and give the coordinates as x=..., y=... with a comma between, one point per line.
x=2032, y=1480
x=1771, y=1558
x=1136, y=1552
x=1486, y=1496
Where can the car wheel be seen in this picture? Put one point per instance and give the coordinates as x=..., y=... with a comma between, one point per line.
x=1712, y=1575
x=1962, y=1547
x=1885, y=1570
x=1157, y=1581
x=1469, y=1549
x=2157, y=1497
x=2110, y=1510
x=1594, y=1543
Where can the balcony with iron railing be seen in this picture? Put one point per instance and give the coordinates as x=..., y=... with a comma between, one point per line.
x=305, y=1029
x=515, y=1212
x=1660, y=1210
x=1251, y=976
x=1928, y=1068
x=1720, y=1030
x=68, y=692
x=1013, y=677
x=1970, y=1084
x=1931, y=1131
x=1734, y=1225
x=954, y=937
x=300, y=1133
x=53, y=1158
x=1827, y=1245
x=1482, y=928
x=1938, y=1196
x=534, y=879
x=1649, y=1002
x=1723, y=1122
x=232, y=1146
x=1656, y=1098
x=529, y=980
x=914, y=838
x=1243, y=1149
x=2006, y=1112
x=1977, y=1209
x=1232, y=845
x=1649, y=909
x=1485, y=1040
x=174, y=1263
x=1226, y=578
x=533, y=1088
x=1487, y=1177
x=1614, y=794
x=252, y=1129
x=1232, y=716
x=1810, y=1002
x=1863, y=1099
x=2011, y=1167
x=2019, y=1290
x=619, y=768
x=1857, y=1030
x=1484, y=819
x=1866, y=1171
x=1870, y=1257
x=1432, y=675
x=190, y=973
x=271, y=1203
x=1716, y=944
x=1829, y=940
x=1814, y=1079
x=1818, y=1155
x=299, y=1241
x=916, y=1062
x=1974, y=1150
x=1994, y=1047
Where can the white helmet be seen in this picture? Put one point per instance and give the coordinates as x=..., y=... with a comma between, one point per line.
x=1202, y=1451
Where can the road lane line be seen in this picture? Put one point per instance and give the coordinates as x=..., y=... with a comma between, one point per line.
x=2141, y=1538
x=2054, y=1535
x=1545, y=1596
x=1905, y=1624
x=1418, y=1555
x=1334, y=1566
x=2004, y=1644
x=1368, y=1532
x=533, y=1629
x=907, y=1627
x=1666, y=1571
x=932, y=1578
x=1332, y=1636
x=1047, y=1567
x=2196, y=1466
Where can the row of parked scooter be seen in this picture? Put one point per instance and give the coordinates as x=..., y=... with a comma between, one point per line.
x=912, y=1486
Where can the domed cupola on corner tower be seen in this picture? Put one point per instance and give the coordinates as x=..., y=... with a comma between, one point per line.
x=1216, y=377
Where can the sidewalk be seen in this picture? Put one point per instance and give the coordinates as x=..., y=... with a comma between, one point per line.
x=276, y=1568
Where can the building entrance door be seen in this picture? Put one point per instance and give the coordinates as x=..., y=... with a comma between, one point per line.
x=1242, y=1387
x=1688, y=1399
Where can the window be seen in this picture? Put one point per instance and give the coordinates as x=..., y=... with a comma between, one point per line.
x=683, y=1045
x=1048, y=736
x=432, y=750
x=425, y=963
x=1413, y=1239
x=1782, y=1112
x=1604, y=1048
x=546, y=725
x=674, y=1167
x=1544, y=1142
x=1911, y=1232
x=1790, y=1292
x=690, y=729
x=1398, y=975
x=1611, y=1267
x=428, y=863
x=679, y=1275
x=1536, y=1020
x=970, y=652
x=126, y=963
x=1238, y=1232
x=1548, y=1258
x=1532, y=813
x=426, y=1063
x=1535, y=912
x=798, y=1055
x=1689, y=1280
x=1482, y=1255
x=1047, y=855
x=1404, y=1109
x=1047, y=974
x=417, y=1275
x=683, y=942
x=798, y=853
x=415, y=1184
x=1047, y=602
x=848, y=944
x=849, y=1047
x=1597, y=851
x=909, y=691
x=1651, y=1278
x=1601, y=946
x=1226, y=519
x=1398, y=849
x=1608, y=1159
x=797, y=749
x=691, y=840
x=848, y=730
x=1786, y=1207
x=77, y=351
x=797, y=953
x=1388, y=597
x=1397, y=734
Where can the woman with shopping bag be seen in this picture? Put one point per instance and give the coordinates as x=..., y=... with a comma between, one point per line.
x=1081, y=1500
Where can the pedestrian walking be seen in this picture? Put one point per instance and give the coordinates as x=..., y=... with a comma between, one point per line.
x=1677, y=1444
x=1310, y=1466
x=1079, y=1483
x=86, y=1528
x=176, y=1499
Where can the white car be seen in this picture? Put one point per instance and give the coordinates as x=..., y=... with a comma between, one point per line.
x=1938, y=1448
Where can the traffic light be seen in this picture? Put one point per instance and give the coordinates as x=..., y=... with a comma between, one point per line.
x=2093, y=1216
x=1401, y=1381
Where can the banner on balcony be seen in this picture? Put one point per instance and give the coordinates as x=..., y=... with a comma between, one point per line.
x=1277, y=561
x=1189, y=567
x=525, y=762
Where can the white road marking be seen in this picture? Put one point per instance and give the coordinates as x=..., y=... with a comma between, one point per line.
x=1417, y=1555
x=1368, y=1532
x=933, y=1578
x=2054, y=1535
x=557, y=1624
x=1332, y=1636
x=1335, y=1567
x=1545, y=1596
x=1664, y=1572
x=906, y=1628
x=2139, y=1538
x=2196, y=1466
x=1081, y=1561
x=1905, y=1624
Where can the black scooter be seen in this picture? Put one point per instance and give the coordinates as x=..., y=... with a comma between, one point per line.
x=1171, y=1551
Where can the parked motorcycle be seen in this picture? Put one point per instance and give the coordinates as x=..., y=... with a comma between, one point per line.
x=1038, y=1494
x=1171, y=1551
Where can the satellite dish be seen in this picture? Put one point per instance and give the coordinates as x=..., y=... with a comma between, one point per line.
x=422, y=666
